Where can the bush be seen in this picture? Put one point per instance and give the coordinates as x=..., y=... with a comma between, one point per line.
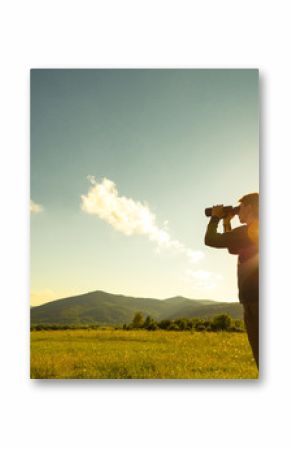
x=200, y=327
x=165, y=324
x=221, y=322
x=173, y=327
x=138, y=320
x=153, y=326
x=197, y=322
x=183, y=324
x=235, y=329
x=239, y=324
x=150, y=324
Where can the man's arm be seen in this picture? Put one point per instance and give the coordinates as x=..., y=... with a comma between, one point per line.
x=229, y=239
x=212, y=237
x=227, y=223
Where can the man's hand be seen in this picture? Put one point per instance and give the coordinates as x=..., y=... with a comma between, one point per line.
x=218, y=211
x=228, y=217
x=227, y=222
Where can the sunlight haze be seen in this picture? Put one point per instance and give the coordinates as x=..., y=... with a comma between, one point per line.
x=123, y=164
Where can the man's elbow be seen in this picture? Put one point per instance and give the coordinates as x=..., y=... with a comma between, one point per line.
x=213, y=240
x=208, y=241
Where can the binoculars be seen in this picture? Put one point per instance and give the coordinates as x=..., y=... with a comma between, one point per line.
x=226, y=210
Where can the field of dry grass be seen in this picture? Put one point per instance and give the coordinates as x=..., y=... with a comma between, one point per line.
x=140, y=354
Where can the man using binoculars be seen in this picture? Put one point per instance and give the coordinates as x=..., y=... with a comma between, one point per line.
x=243, y=241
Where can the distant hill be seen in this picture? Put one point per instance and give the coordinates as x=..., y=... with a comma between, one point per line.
x=101, y=308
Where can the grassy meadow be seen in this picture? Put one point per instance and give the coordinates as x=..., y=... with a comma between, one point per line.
x=140, y=354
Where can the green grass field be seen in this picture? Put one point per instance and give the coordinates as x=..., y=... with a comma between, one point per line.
x=119, y=354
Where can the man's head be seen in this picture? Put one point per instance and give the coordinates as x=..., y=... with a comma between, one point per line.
x=249, y=208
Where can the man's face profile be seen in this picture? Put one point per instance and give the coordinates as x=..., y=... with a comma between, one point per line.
x=244, y=213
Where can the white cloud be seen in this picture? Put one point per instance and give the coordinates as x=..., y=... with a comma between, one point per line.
x=203, y=279
x=130, y=217
x=35, y=208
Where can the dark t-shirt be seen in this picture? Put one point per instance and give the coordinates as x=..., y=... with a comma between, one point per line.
x=244, y=242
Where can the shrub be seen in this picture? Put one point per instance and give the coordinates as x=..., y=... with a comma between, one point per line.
x=200, y=327
x=221, y=322
x=165, y=324
x=173, y=327
x=150, y=324
x=183, y=324
x=138, y=320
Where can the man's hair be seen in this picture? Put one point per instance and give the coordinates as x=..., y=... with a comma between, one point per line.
x=252, y=199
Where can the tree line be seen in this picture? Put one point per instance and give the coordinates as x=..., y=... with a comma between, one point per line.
x=222, y=322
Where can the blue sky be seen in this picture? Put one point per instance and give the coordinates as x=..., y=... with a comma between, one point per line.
x=170, y=143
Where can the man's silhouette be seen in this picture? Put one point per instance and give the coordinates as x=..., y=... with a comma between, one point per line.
x=243, y=241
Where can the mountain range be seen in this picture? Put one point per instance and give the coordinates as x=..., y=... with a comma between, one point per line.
x=101, y=308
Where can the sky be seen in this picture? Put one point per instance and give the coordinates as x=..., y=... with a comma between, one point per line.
x=123, y=164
